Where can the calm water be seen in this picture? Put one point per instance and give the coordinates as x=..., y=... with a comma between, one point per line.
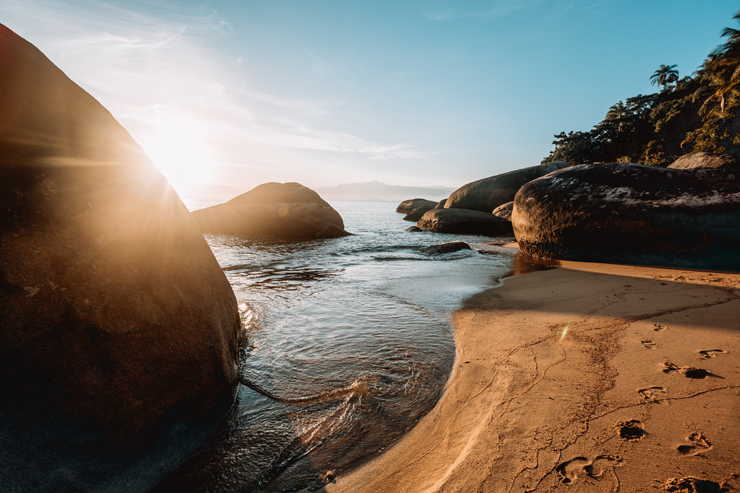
x=349, y=345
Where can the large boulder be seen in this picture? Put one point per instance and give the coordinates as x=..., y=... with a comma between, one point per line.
x=277, y=210
x=504, y=211
x=703, y=160
x=632, y=214
x=409, y=205
x=487, y=194
x=119, y=334
x=416, y=214
x=462, y=221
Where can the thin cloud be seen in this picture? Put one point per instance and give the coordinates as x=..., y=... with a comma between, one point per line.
x=150, y=65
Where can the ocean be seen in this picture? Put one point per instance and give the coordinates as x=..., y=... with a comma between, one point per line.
x=349, y=344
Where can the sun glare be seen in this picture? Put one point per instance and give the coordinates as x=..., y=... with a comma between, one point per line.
x=178, y=150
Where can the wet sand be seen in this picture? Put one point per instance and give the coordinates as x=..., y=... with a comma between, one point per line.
x=587, y=377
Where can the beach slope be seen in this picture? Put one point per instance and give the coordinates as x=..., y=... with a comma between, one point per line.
x=588, y=377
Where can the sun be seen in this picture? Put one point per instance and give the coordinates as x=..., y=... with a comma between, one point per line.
x=179, y=151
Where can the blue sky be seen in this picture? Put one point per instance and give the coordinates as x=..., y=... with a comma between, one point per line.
x=328, y=92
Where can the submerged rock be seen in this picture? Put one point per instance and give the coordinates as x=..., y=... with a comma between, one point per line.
x=409, y=205
x=277, y=210
x=449, y=247
x=703, y=160
x=632, y=214
x=414, y=229
x=119, y=339
x=487, y=194
x=461, y=221
x=416, y=214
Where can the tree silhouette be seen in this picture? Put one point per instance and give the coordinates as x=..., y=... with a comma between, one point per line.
x=722, y=67
x=665, y=75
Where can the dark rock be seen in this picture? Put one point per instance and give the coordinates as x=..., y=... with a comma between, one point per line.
x=414, y=229
x=277, y=210
x=703, y=160
x=462, y=221
x=119, y=334
x=409, y=205
x=487, y=194
x=504, y=211
x=449, y=247
x=632, y=214
x=441, y=204
x=416, y=214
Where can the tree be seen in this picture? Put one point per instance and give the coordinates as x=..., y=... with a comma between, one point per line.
x=664, y=76
x=722, y=67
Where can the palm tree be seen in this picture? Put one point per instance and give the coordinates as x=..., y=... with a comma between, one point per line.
x=722, y=66
x=665, y=75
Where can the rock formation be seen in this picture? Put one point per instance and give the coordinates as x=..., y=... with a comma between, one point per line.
x=441, y=204
x=119, y=334
x=487, y=194
x=448, y=247
x=277, y=210
x=416, y=214
x=409, y=205
x=462, y=221
x=632, y=214
x=703, y=160
x=504, y=211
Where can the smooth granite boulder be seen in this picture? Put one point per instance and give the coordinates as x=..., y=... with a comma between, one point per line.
x=632, y=214
x=409, y=205
x=462, y=221
x=487, y=194
x=441, y=204
x=287, y=211
x=119, y=332
x=448, y=247
x=703, y=160
x=416, y=214
x=504, y=211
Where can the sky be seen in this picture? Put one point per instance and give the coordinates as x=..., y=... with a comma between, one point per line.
x=325, y=92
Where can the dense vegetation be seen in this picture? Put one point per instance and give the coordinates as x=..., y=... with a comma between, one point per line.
x=700, y=112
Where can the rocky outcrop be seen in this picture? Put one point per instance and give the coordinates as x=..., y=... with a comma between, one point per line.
x=487, y=194
x=632, y=214
x=416, y=214
x=276, y=210
x=504, y=211
x=409, y=205
x=703, y=160
x=441, y=204
x=119, y=333
x=448, y=247
x=414, y=229
x=461, y=221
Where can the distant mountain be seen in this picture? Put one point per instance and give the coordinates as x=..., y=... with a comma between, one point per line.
x=375, y=190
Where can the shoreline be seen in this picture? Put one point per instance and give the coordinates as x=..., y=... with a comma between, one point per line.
x=588, y=377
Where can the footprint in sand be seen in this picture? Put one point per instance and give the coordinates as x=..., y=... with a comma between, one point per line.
x=688, y=371
x=649, y=344
x=653, y=394
x=630, y=430
x=711, y=353
x=659, y=328
x=690, y=483
x=571, y=470
x=698, y=444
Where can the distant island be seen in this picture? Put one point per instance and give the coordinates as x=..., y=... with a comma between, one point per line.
x=371, y=190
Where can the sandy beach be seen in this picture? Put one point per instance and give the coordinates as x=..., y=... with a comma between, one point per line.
x=586, y=377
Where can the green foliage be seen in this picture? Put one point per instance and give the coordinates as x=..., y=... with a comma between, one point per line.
x=692, y=114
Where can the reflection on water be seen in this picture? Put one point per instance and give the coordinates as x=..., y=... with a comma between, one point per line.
x=348, y=345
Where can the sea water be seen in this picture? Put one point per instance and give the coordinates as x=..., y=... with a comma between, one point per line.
x=349, y=344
